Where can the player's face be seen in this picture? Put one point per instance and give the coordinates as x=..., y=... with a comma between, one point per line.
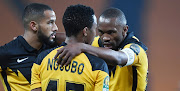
x=47, y=27
x=110, y=32
x=92, y=32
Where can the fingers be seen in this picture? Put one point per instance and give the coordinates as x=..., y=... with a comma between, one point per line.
x=64, y=60
x=63, y=54
x=59, y=51
x=69, y=60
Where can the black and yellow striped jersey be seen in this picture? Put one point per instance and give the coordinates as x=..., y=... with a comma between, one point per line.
x=17, y=58
x=85, y=73
x=134, y=76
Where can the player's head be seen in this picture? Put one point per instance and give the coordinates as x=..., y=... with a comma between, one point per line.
x=112, y=28
x=39, y=19
x=80, y=22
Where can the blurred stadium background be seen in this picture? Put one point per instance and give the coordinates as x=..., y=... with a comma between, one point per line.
x=155, y=22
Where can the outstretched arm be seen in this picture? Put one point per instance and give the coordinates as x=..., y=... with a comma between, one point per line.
x=67, y=53
x=110, y=56
x=37, y=89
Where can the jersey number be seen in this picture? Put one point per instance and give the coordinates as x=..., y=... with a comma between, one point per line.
x=52, y=86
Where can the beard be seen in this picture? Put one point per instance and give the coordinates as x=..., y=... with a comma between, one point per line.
x=45, y=39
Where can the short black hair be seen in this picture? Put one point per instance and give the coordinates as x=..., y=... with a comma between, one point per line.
x=114, y=13
x=34, y=12
x=76, y=18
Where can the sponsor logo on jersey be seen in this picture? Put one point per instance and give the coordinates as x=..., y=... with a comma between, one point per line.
x=21, y=60
x=135, y=48
x=106, y=84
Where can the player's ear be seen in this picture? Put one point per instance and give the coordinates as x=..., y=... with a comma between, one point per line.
x=33, y=25
x=85, y=31
x=125, y=30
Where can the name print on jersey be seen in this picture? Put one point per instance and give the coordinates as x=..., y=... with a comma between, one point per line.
x=73, y=67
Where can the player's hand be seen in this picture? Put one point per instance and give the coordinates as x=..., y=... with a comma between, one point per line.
x=67, y=53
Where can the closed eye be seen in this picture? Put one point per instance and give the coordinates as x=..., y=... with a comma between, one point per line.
x=100, y=31
x=51, y=22
x=111, y=32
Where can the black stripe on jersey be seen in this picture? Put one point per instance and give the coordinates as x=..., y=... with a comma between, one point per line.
x=135, y=48
x=4, y=75
x=45, y=53
x=112, y=69
x=97, y=63
x=129, y=39
x=134, y=78
x=42, y=55
x=100, y=43
x=63, y=44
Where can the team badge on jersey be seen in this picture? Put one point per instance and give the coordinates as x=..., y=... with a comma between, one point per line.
x=135, y=48
x=106, y=84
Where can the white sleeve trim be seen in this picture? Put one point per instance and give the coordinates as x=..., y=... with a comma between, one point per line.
x=130, y=54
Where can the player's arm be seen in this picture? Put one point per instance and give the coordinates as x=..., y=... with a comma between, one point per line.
x=102, y=76
x=36, y=81
x=37, y=89
x=4, y=55
x=110, y=56
x=102, y=82
x=35, y=78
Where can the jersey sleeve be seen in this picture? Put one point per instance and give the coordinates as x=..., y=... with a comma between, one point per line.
x=100, y=72
x=102, y=82
x=35, y=76
x=3, y=55
x=97, y=42
x=36, y=69
x=137, y=53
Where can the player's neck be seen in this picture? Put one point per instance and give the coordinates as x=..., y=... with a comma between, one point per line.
x=32, y=40
x=73, y=39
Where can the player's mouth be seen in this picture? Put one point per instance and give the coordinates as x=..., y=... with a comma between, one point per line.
x=107, y=45
x=53, y=35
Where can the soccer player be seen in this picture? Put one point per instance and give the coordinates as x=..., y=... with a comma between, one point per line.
x=17, y=56
x=86, y=72
x=124, y=53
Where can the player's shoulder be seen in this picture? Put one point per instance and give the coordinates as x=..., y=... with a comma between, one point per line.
x=42, y=55
x=134, y=47
x=9, y=46
x=96, y=38
x=97, y=63
x=97, y=42
x=132, y=39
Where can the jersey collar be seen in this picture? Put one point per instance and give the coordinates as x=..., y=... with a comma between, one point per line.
x=63, y=44
x=27, y=46
x=129, y=39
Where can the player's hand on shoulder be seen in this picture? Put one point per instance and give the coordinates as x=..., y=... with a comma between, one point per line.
x=67, y=53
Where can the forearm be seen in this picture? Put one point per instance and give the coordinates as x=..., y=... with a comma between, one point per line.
x=110, y=56
x=37, y=89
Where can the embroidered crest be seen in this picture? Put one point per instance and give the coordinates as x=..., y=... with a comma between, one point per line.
x=135, y=48
x=106, y=84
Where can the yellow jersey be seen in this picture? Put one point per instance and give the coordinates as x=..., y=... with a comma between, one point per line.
x=17, y=58
x=85, y=73
x=134, y=76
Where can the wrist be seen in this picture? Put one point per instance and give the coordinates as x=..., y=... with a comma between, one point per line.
x=83, y=47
